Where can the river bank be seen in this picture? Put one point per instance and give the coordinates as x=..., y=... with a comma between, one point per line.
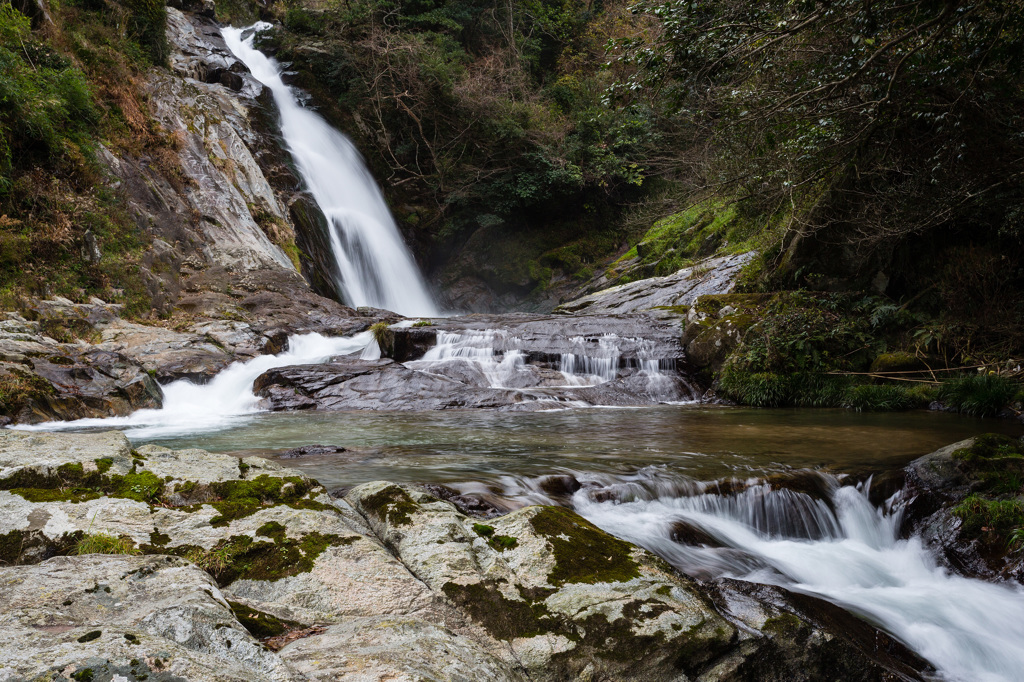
x=381, y=580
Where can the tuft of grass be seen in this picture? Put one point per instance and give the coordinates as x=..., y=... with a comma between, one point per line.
x=384, y=336
x=102, y=543
x=979, y=395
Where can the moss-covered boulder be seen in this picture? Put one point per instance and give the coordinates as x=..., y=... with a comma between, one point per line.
x=569, y=601
x=388, y=583
x=967, y=501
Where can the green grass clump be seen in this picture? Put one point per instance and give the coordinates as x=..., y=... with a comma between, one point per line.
x=102, y=543
x=882, y=398
x=1005, y=518
x=979, y=395
x=384, y=336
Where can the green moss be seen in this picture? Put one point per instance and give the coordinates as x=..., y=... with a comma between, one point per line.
x=261, y=625
x=991, y=448
x=158, y=539
x=994, y=464
x=141, y=487
x=103, y=464
x=273, y=530
x=980, y=515
x=241, y=557
x=785, y=625
x=83, y=675
x=15, y=545
x=897, y=361
x=90, y=636
x=483, y=530
x=238, y=499
x=583, y=553
x=503, y=618
x=393, y=505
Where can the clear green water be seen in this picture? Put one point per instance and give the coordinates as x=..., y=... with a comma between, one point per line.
x=699, y=441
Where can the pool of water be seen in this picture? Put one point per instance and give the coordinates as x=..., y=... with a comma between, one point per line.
x=701, y=442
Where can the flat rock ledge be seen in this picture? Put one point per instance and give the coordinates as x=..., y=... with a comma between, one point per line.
x=151, y=564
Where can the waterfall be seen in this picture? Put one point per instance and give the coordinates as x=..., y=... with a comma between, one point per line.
x=375, y=267
x=832, y=543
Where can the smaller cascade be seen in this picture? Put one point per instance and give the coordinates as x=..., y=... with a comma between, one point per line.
x=582, y=369
x=491, y=352
x=196, y=408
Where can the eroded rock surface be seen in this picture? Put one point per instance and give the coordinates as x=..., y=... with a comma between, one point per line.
x=711, y=276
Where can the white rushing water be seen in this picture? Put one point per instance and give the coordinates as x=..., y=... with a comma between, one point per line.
x=190, y=408
x=838, y=547
x=375, y=267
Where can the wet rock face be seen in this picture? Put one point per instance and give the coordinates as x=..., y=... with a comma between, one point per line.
x=47, y=379
x=712, y=276
x=353, y=384
x=966, y=501
x=220, y=554
x=226, y=220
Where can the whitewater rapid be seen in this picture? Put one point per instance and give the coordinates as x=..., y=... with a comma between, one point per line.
x=838, y=547
x=374, y=265
x=222, y=402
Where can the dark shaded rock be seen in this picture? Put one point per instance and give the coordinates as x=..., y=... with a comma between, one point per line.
x=686, y=533
x=560, y=486
x=469, y=504
x=852, y=649
x=987, y=469
x=311, y=450
x=412, y=343
x=351, y=383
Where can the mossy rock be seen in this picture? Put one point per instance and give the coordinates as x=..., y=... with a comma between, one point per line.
x=391, y=505
x=899, y=361
x=583, y=553
x=714, y=340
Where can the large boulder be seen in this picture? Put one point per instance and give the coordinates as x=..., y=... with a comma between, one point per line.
x=966, y=501
x=710, y=276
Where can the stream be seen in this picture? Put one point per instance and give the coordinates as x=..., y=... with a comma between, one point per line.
x=651, y=474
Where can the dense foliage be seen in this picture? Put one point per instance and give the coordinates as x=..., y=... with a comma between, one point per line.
x=66, y=87
x=886, y=118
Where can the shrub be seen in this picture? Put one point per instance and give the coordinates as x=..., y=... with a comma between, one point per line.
x=979, y=395
x=882, y=398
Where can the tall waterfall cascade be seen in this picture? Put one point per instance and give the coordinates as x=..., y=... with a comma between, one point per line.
x=374, y=265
